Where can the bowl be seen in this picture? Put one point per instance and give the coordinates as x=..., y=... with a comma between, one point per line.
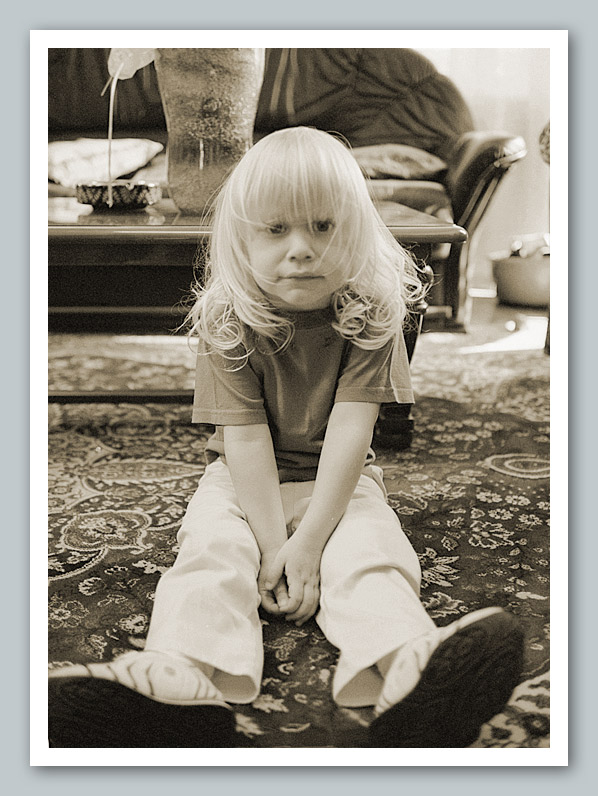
x=125, y=195
x=522, y=281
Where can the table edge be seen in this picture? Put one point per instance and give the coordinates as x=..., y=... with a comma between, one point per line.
x=74, y=234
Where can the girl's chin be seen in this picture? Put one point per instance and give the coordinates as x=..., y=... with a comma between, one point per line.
x=299, y=303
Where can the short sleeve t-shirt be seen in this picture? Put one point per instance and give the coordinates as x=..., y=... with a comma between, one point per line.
x=294, y=390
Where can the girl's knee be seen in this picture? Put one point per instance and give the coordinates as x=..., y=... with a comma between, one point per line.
x=370, y=544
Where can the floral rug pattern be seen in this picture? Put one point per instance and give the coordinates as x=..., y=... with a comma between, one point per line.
x=472, y=493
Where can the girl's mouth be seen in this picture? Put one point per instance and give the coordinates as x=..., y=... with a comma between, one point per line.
x=302, y=277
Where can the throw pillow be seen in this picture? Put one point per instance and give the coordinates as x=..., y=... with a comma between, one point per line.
x=85, y=160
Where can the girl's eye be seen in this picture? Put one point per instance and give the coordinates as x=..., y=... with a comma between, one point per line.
x=276, y=229
x=323, y=226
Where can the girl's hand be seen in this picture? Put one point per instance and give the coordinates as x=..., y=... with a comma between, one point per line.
x=273, y=591
x=299, y=562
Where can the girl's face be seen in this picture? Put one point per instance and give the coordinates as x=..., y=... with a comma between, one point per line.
x=297, y=264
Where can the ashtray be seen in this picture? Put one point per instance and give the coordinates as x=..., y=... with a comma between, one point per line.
x=125, y=195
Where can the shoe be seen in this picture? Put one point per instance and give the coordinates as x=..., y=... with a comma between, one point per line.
x=142, y=699
x=474, y=666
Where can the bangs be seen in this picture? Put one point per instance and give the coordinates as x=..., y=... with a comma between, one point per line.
x=298, y=174
x=281, y=196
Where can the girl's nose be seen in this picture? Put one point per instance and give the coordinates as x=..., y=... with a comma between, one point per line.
x=300, y=246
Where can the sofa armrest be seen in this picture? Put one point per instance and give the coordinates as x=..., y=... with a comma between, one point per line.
x=475, y=164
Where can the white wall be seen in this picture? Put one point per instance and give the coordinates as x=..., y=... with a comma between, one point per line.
x=506, y=89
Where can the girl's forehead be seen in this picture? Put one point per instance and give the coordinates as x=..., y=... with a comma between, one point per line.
x=286, y=191
x=290, y=212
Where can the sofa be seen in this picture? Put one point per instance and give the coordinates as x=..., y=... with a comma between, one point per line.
x=408, y=125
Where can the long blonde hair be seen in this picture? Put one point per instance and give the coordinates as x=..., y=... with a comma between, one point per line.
x=310, y=175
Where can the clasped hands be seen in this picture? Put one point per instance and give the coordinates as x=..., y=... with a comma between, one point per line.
x=289, y=579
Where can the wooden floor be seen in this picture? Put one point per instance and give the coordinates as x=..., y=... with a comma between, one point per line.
x=507, y=326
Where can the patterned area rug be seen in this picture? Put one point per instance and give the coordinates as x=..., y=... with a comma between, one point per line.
x=472, y=493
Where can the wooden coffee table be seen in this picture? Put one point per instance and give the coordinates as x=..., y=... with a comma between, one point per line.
x=111, y=271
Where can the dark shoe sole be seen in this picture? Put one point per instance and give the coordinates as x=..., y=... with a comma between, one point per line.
x=89, y=712
x=468, y=680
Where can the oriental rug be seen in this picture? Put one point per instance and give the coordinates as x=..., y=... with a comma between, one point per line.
x=472, y=493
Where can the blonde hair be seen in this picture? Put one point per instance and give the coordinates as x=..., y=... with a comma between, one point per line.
x=307, y=175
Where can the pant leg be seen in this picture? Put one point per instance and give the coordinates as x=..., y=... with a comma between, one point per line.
x=369, y=605
x=206, y=606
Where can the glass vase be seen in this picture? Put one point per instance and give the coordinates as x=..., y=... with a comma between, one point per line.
x=210, y=99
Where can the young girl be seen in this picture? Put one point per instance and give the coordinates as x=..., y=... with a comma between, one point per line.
x=299, y=325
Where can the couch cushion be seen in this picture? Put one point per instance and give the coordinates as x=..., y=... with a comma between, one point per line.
x=369, y=95
x=423, y=195
x=381, y=161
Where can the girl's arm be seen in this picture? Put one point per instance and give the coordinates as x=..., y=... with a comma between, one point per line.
x=347, y=440
x=250, y=458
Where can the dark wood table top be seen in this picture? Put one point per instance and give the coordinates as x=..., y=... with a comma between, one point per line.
x=70, y=221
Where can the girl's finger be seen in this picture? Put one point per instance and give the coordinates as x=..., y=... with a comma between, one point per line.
x=295, y=595
x=307, y=608
x=281, y=594
x=269, y=603
x=273, y=574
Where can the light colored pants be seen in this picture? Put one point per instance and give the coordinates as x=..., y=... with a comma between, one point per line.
x=206, y=606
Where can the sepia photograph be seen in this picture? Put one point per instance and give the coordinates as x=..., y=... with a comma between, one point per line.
x=299, y=397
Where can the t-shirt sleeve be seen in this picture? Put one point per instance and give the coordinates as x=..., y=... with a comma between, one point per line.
x=379, y=376
x=226, y=395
